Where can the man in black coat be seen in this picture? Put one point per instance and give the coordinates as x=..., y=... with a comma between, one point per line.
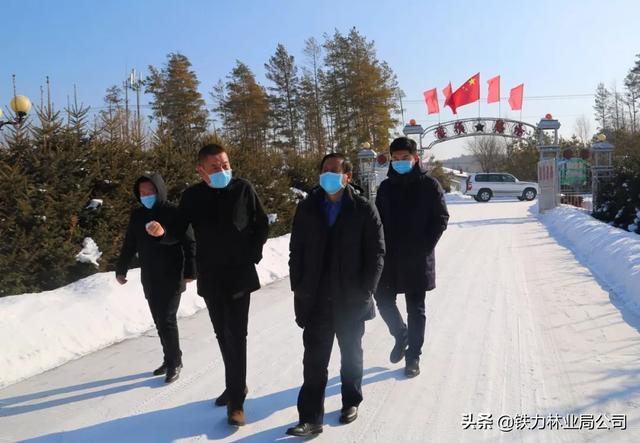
x=165, y=267
x=414, y=214
x=336, y=257
x=230, y=228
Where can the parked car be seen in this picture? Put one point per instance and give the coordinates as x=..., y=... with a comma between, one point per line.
x=484, y=186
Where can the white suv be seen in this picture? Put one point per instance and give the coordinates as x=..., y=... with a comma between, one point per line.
x=483, y=186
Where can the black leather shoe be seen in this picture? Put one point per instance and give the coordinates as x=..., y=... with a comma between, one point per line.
x=348, y=415
x=304, y=430
x=161, y=370
x=412, y=369
x=223, y=399
x=173, y=373
x=398, y=351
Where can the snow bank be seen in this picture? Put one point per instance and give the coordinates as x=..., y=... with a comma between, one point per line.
x=612, y=254
x=43, y=330
x=457, y=196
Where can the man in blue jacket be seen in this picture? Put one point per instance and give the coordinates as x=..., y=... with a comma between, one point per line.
x=336, y=257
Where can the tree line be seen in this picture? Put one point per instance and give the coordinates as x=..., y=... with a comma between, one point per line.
x=617, y=116
x=67, y=176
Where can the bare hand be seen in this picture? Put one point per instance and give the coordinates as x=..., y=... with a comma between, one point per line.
x=154, y=229
x=203, y=174
x=121, y=279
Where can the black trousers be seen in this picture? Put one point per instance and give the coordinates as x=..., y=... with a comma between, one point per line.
x=318, y=338
x=230, y=318
x=416, y=318
x=164, y=308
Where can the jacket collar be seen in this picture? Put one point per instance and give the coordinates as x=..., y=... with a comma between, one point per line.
x=317, y=197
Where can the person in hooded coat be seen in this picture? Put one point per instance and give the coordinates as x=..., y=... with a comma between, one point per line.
x=414, y=215
x=336, y=257
x=165, y=267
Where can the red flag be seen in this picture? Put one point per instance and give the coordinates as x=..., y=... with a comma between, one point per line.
x=469, y=92
x=431, y=98
x=515, y=97
x=494, y=90
x=447, y=93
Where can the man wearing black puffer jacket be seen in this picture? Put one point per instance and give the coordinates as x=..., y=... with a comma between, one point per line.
x=414, y=214
x=165, y=266
x=336, y=257
x=230, y=228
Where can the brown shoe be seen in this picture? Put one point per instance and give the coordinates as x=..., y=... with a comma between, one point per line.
x=236, y=417
x=223, y=399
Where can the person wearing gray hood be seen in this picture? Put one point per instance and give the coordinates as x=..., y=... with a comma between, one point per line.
x=165, y=266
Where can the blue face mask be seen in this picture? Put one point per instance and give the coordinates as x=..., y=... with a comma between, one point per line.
x=402, y=166
x=331, y=182
x=220, y=179
x=148, y=200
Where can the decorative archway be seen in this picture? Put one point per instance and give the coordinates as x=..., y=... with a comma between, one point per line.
x=474, y=127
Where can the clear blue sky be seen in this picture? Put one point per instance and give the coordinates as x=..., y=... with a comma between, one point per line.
x=553, y=47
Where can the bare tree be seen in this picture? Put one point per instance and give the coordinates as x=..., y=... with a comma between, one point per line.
x=490, y=152
x=602, y=106
x=582, y=129
x=617, y=108
x=632, y=94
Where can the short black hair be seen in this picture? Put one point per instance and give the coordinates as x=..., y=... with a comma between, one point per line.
x=210, y=149
x=346, y=164
x=403, y=144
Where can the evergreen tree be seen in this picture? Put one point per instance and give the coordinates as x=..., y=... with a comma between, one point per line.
x=311, y=115
x=602, y=106
x=521, y=159
x=112, y=119
x=310, y=103
x=43, y=245
x=632, y=85
x=16, y=215
x=244, y=109
x=283, y=97
x=616, y=109
x=437, y=171
x=77, y=118
x=360, y=91
x=178, y=108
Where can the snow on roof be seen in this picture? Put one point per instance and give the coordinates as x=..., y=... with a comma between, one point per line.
x=455, y=172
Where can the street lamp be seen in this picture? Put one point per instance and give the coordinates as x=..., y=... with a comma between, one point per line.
x=413, y=129
x=366, y=165
x=20, y=105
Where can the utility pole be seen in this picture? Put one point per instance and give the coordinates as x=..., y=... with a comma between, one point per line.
x=126, y=109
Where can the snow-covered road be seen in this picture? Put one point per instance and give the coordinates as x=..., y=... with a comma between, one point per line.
x=517, y=326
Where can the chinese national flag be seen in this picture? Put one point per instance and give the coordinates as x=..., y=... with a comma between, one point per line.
x=494, y=90
x=515, y=97
x=447, y=93
x=431, y=98
x=469, y=92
